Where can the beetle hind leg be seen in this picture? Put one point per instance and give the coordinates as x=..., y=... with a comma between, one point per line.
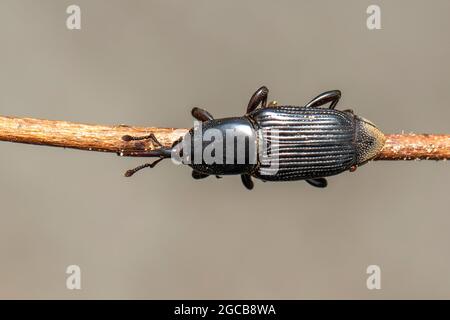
x=318, y=182
x=332, y=96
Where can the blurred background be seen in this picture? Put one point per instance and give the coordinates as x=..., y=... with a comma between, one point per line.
x=162, y=235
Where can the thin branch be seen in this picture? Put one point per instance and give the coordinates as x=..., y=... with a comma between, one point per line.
x=82, y=136
x=109, y=138
x=415, y=147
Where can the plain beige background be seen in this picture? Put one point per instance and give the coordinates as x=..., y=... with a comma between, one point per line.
x=164, y=235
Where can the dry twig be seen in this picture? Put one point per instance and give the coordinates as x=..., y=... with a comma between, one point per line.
x=109, y=138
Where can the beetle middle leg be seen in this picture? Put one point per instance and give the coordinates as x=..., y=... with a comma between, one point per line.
x=318, y=182
x=332, y=96
x=247, y=181
x=260, y=96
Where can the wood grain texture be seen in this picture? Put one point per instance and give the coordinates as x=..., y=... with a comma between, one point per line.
x=416, y=147
x=109, y=138
x=81, y=136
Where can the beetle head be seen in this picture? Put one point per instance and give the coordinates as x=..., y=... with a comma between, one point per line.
x=369, y=140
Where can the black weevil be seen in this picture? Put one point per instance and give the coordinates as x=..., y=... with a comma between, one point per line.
x=300, y=143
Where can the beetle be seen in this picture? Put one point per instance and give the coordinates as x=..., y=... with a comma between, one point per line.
x=312, y=141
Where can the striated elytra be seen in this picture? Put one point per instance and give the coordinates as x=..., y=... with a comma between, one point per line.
x=278, y=143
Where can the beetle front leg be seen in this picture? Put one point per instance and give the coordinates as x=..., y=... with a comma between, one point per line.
x=260, y=96
x=332, y=96
x=199, y=175
x=150, y=137
x=201, y=114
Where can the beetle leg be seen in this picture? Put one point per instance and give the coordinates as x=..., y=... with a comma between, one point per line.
x=323, y=98
x=150, y=137
x=247, y=181
x=198, y=175
x=162, y=152
x=260, y=96
x=318, y=182
x=130, y=172
x=201, y=114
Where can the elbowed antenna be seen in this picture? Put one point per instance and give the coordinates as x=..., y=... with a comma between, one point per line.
x=161, y=152
x=130, y=172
